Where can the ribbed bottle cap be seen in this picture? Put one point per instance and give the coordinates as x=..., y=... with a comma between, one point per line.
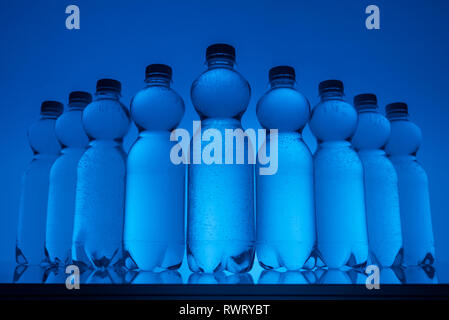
x=281, y=72
x=109, y=85
x=220, y=50
x=365, y=101
x=51, y=108
x=330, y=85
x=395, y=109
x=158, y=70
x=80, y=96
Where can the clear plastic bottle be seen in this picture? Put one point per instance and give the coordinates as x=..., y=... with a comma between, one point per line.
x=34, y=197
x=339, y=191
x=404, y=142
x=285, y=203
x=381, y=183
x=220, y=225
x=62, y=190
x=100, y=191
x=154, y=217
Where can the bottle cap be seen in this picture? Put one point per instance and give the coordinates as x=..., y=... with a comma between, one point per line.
x=159, y=70
x=365, y=101
x=220, y=50
x=281, y=72
x=330, y=85
x=109, y=85
x=80, y=96
x=396, y=108
x=51, y=108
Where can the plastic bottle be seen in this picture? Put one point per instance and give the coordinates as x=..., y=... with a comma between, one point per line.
x=220, y=226
x=100, y=191
x=381, y=183
x=339, y=191
x=154, y=218
x=34, y=197
x=414, y=202
x=285, y=203
x=62, y=190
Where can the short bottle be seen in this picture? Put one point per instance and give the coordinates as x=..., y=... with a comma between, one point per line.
x=339, y=192
x=100, y=191
x=62, y=190
x=381, y=183
x=35, y=183
x=220, y=225
x=154, y=216
x=414, y=202
x=284, y=200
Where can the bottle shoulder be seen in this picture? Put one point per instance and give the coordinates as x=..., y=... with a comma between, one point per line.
x=336, y=153
x=67, y=161
x=102, y=153
x=376, y=159
x=408, y=167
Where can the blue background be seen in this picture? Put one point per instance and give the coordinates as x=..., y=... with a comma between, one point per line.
x=407, y=59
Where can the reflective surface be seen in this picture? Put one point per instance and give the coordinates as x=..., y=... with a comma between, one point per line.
x=439, y=274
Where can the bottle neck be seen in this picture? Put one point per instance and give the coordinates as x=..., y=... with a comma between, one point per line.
x=45, y=156
x=100, y=143
x=220, y=62
x=72, y=150
x=363, y=108
x=335, y=144
x=157, y=81
x=371, y=152
x=282, y=82
x=45, y=116
x=331, y=95
x=107, y=95
x=398, y=116
x=400, y=158
x=78, y=106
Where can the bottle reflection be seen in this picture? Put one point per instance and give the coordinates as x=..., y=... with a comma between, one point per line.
x=104, y=276
x=287, y=277
x=335, y=276
x=425, y=274
x=220, y=278
x=345, y=276
x=28, y=274
x=148, y=277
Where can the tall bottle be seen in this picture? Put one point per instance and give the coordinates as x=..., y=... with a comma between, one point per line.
x=34, y=197
x=285, y=203
x=62, y=190
x=154, y=218
x=414, y=202
x=339, y=192
x=220, y=226
x=381, y=183
x=100, y=190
